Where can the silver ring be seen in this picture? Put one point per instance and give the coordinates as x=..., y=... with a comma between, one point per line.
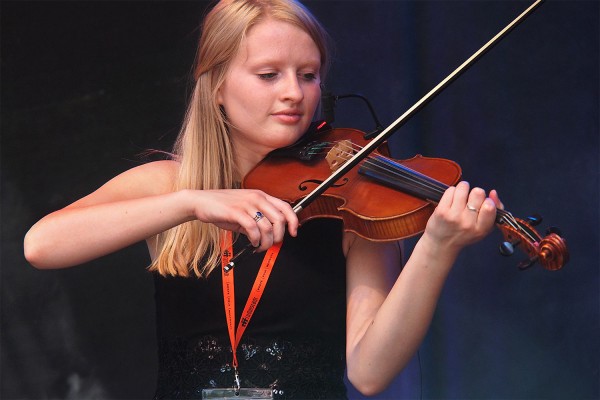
x=258, y=216
x=471, y=208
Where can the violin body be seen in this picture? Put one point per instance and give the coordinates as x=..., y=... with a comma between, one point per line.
x=372, y=210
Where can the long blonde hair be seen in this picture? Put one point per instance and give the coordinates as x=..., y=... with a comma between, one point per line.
x=203, y=146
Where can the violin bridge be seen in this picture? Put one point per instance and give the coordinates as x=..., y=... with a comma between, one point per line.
x=339, y=154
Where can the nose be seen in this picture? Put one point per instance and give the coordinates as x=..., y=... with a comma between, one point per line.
x=292, y=89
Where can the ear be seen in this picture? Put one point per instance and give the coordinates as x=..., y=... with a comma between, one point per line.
x=220, y=95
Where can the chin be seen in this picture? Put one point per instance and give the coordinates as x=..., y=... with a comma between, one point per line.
x=287, y=136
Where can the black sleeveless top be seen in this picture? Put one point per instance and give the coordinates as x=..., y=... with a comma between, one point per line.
x=295, y=342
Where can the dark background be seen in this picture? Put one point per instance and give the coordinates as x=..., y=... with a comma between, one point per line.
x=88, y=86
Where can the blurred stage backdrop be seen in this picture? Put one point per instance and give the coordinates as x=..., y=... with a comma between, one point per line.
x=87, y=86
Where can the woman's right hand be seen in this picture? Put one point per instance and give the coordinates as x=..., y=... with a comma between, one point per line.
x=259, y=216
x=139, y=204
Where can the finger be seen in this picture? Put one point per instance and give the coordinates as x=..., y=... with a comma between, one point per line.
x=249, y=227
x=270, y=217
x=273, y=223
x=266, y=233
x=259, y=231
x=487, y=213
x=494, y=196
x=283, y=215
x=446, y=200
x=475, y=199
x=459, y=200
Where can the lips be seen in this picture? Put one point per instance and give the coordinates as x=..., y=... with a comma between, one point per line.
x=288, y=116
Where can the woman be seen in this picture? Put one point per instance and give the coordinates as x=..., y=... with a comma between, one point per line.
x=258, y=74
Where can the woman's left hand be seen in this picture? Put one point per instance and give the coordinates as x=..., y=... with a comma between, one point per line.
x=463, y=216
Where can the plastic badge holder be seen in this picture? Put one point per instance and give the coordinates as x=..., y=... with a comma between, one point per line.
x=243, y=394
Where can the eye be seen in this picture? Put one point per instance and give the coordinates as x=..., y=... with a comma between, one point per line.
x=267, y=76
x=309, y=76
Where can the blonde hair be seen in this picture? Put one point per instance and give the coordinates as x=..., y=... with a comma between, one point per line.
x=203, y=146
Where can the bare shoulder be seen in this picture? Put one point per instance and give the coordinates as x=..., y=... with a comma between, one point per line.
x=158, y=176
x=148, y=179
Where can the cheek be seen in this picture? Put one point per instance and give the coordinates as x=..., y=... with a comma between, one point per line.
x=315, y=98
x=239, y=94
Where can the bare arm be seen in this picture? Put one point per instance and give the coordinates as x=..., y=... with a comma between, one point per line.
x=387, y=320
x=139, y=204
x=129, y=208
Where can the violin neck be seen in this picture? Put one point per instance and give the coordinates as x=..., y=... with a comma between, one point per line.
x=397, y=176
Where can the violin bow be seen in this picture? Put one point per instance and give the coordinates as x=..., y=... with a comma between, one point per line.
x=387, y=132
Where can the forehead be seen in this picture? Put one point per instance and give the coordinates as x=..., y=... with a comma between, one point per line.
x=277, y=39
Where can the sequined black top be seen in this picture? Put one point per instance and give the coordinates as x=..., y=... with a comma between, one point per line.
x=295, y=342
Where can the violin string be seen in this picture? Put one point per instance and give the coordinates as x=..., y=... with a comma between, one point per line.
x=384, y=164
x=401, y=172
x=372, y=163
x=503, y=215
x=411, y=176
x=389, y=167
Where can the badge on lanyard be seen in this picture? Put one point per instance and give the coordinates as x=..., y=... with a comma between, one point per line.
x=239, y=394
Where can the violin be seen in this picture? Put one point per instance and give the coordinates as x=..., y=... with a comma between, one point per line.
x=383, y=199
x=414, y=185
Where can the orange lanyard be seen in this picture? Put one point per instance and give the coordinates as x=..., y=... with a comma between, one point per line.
x=255, y=294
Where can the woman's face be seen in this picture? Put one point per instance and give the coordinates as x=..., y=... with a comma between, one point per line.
x=271, y=90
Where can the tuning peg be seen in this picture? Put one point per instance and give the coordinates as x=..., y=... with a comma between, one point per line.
x=523, y=265
x=555, y=230
x=534, y=219
x=507, y=248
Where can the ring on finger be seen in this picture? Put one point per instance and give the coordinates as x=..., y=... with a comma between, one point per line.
x=471, y=208
x=258, y=216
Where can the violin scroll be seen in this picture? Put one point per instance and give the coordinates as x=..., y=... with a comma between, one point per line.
x=550, y=251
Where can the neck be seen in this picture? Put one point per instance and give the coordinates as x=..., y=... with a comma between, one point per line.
x=246, y=163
